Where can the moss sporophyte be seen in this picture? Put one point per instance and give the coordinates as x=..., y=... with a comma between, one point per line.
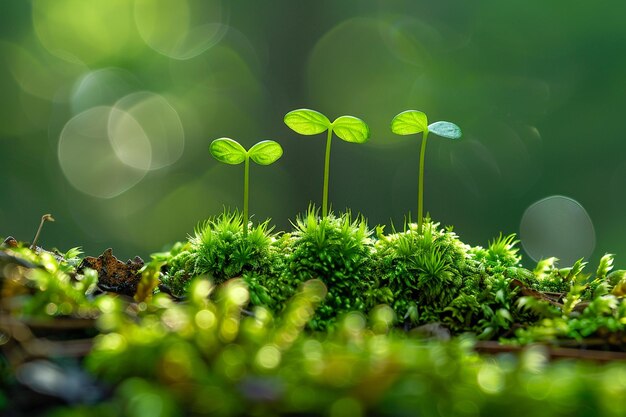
x=311, y=122
x=229, y=151
x=411, y=122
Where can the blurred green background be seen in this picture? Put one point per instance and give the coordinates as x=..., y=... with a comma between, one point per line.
x=107, y=108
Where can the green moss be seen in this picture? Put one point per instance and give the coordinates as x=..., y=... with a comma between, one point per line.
x=219, y=250
x=424, y=271
x=500, y=253
x=43, y=284
x=224, y=252
x=588, y=307
x=338, y=251
x=205, y=357
x=426, y=277
x=435, y=277
x=180, y=270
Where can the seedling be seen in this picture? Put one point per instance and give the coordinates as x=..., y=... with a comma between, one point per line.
x=311, y=122
x=410, y=122
x=229, y=151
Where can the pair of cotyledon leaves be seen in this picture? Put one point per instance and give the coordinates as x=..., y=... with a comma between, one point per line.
x=311, y=122
x=231, y=152
x=411, y=122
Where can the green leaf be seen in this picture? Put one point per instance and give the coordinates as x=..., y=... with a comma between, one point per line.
x=307, y=122
x=409, y=122
x=265, y=152
x=228, y=151
x=351, y=129
x=446, y=130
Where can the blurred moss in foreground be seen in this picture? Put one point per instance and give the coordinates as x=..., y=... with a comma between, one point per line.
x=209, y=357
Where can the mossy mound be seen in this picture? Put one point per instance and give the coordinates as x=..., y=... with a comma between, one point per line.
x=337, y=250
x=219, y=250
x=426, y=276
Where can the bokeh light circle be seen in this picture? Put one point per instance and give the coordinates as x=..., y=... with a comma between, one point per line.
x=128, y=140
x=557, y=226
x=89, y=160
x=159, y=122
x=180, y=29
x=101, y=87
x=84, y=31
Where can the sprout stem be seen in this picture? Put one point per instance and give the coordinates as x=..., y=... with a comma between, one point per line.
x=44, y=218
x=326, y=173
x=420, y=192
x=246, y=175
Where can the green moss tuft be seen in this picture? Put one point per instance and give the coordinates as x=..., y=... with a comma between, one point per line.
x=434, y=277
x=219, y=250
x=424, y=271
x=500, y=253
x=337, y=251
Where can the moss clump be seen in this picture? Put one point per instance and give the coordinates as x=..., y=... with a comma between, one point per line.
x=336, y=250
x=180, y=264
x=426, y=277
x=219, y=250
x=424, y=271
x=498, y=289
x=434, y=277
x=589, y=309
x=499, y=255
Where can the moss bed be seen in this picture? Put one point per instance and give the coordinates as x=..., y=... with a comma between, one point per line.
x=332, y=318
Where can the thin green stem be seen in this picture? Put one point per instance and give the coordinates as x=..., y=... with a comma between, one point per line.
x=326, y=173
x=246, y=175
x=420, y=192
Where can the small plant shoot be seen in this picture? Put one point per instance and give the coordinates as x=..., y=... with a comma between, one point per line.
x=411, y=122
x=310, y=122
x=229, y=151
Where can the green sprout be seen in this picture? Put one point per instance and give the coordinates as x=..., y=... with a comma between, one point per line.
x=311, y=122
x=229, y=151
x=410, y=122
